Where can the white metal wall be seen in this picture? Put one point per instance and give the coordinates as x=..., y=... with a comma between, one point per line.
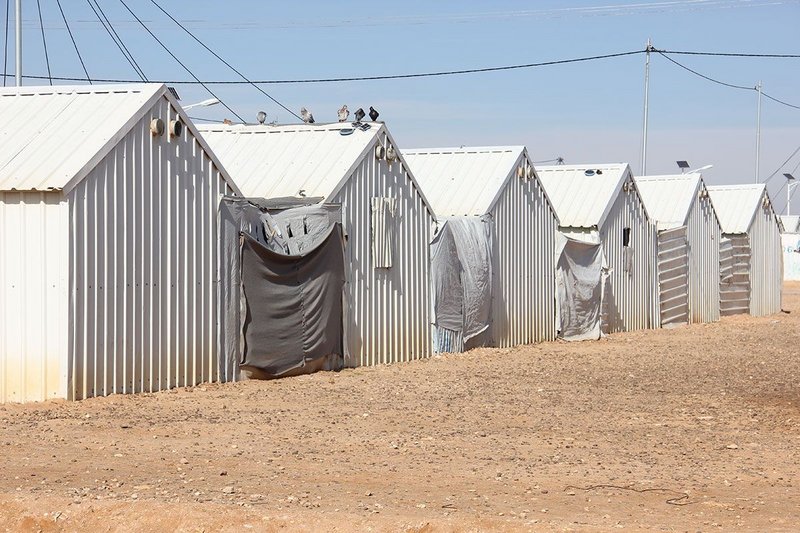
x=673, y=276
x=34, y=296
x=766, y=262
x=387, y=314
x=143, y=266
x=734, y=256
x=630, y=299
x=704, y=236
x=523, y=299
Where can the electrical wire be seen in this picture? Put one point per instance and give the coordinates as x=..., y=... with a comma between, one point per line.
x=782, y=165
x=725, y=84
x=204, y=85
x=80, y=58
x=116, y=38
x=5, y=46
x=201, y=43
x=731, y=85
x=44, y=42
x=731, y=54
x=368, y=78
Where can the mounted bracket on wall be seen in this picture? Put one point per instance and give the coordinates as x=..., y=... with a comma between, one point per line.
x=157, y=127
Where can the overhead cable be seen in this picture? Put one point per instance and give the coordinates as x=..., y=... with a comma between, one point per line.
x=197, y=80
x=44, y=42
x=782, y=165
x=80, y=58
x=106, y=23
x=201, y=43
x=731, y=54
x=725, y=84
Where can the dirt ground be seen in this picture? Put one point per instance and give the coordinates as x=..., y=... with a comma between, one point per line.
x=690, y=429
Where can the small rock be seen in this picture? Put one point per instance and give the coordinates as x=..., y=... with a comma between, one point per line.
x=184, y=461
x=732, y=447
x=228, y=490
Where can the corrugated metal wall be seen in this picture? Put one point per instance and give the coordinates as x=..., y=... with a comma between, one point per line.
x=766, y=263
x=704, y=236
x=143, y=266
x=673, y=276
x=523, y=300
x=34, y=296
x=387, y=309
x=734, y=256
x=630, y=299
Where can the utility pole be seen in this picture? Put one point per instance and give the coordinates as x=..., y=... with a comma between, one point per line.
x=18, y=24
x=646, y=104
x=758, y=135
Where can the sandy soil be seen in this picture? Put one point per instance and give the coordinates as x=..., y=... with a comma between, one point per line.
x=695, y=428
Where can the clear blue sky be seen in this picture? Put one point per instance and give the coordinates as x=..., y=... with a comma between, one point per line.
x=589, y=112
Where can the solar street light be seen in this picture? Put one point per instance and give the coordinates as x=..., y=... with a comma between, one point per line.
x=683, y=165
x=790, y=183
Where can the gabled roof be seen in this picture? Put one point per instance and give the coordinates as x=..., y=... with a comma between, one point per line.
x=295, y=160
x=736, y=205
x=464, y=181
x=581, y=200
x=791, y=223
x=52, y=137
x=669, y=198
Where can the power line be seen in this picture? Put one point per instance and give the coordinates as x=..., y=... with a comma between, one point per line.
x=201, y=43
x=106, y=23
x=44, y=42
x=782, y=164
x=725, y=84
x=731, y=54
x=731, y=85
x=204, y=85
x=74, y=43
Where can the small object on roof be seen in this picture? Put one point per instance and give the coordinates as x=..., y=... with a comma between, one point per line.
x=343, y=113
x=346, y=131
x=174, y=92
x=306, y=115
x=364, y=126
x=373, y=115
x=261, y=117
x=360, y=115
x=301, y=193
x=559, y=160
x=683, y=165
x=588, y=172
x=227, y=122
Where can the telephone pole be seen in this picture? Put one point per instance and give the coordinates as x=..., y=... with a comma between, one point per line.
x=646, y=105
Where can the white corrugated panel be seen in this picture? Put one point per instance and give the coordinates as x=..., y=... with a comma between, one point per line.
x=487, y=182
x=734, y=255
x=766, y=261
x=144, y=265
x=298, y=160
x=704, y=235
x=525, y=225
x=387, y=310
x=131, y=242
x=581, y=200
x=631, y=292
x=463, y=181
x=669, y=198
x=48, y=135
x=673, y=276
x=34, y=285
x=736, y=205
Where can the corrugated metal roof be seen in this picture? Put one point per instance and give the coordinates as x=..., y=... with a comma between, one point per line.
x=48, y=135
x=736, y=205
x=791, y=223
x=477, y=173
x=275, y=161
x=579, y=200
x=669, y=198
